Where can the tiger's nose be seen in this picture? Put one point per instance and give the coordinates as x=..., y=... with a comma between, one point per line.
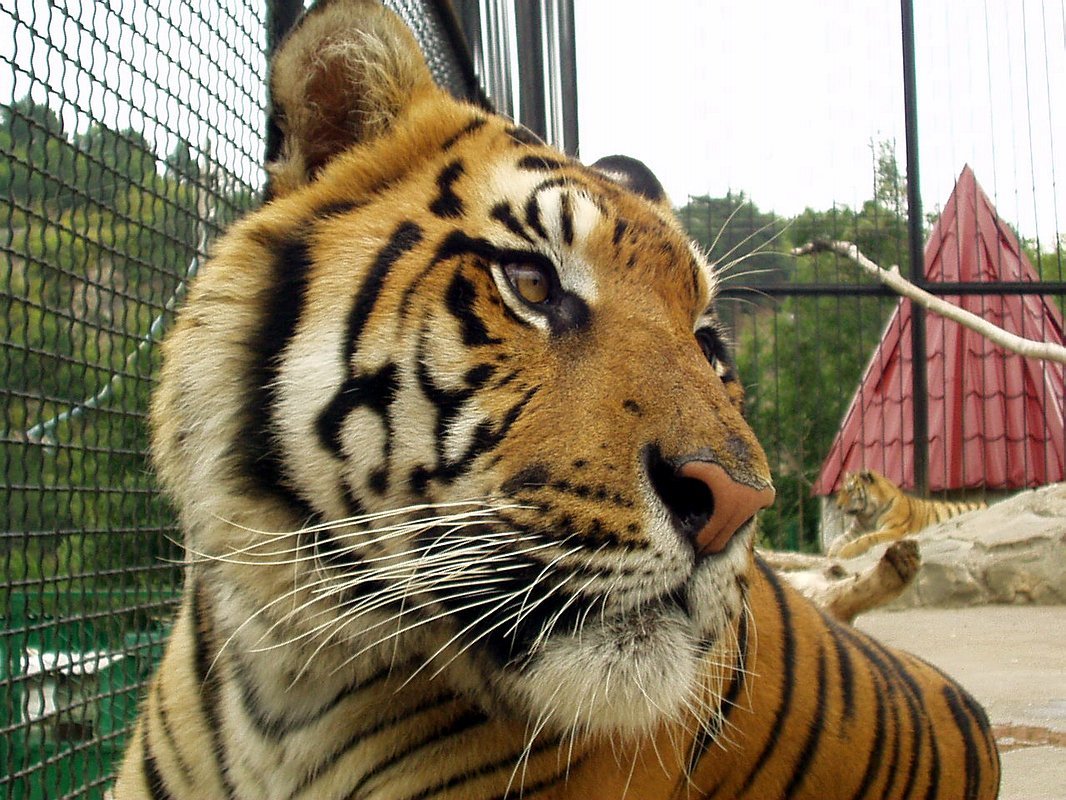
x=708, y=505
x=732, y=505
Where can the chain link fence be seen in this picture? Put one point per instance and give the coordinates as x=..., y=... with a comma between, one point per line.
x=131, y=133
x=129, y=138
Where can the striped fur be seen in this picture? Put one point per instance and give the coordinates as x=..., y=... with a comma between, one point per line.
x=426, y=417
x=881, y=512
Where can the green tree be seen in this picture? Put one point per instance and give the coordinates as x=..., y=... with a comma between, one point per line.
x=110, y=162
x=97, y=240
x=182, y=164
x=38, y=158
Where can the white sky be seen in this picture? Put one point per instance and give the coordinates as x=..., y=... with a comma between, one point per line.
x=776, y=98
x=780, y=98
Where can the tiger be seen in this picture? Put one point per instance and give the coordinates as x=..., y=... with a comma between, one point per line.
x=880, y=512
x=468, y=495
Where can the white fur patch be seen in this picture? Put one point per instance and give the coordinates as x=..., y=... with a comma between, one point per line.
x=621, y=676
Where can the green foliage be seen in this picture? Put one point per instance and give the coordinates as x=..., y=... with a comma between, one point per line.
x=1050, y=264
x=98, y=236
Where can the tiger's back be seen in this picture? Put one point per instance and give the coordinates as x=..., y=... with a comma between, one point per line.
x=467, y=491
x=882, y=512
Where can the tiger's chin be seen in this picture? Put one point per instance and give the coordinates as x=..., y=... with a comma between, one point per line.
x=621, y=677
x=628, y=675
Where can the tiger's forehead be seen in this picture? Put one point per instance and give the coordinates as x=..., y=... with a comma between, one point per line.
x=536, y=198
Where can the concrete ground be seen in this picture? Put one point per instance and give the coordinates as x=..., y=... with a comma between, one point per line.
x=1013, y=660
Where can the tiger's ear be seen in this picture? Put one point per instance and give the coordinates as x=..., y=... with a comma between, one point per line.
x=867, y=476
x=341, y=77
x=634, y=175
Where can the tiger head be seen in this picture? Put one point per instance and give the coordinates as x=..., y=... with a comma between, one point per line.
x=454, y=400
x=861, y=492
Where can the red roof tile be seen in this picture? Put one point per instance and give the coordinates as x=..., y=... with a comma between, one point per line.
x=995, y=418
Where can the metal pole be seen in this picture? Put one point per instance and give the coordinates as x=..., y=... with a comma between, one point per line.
x=568, y=76
x=919, y=389
x=529, y=33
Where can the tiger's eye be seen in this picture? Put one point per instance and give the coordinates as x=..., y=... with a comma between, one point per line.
x=529, y=281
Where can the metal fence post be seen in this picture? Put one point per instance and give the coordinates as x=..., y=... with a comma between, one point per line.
x=919, y=388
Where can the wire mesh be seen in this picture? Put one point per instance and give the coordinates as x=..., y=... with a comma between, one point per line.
x=128, y=141
x=131, y=133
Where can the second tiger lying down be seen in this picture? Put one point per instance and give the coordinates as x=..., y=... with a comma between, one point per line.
x=879, y=511
x=467, y=491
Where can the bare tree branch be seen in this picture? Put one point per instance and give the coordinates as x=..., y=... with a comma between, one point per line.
x=891, y=278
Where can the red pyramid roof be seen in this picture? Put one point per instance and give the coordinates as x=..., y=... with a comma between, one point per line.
x=995, y=418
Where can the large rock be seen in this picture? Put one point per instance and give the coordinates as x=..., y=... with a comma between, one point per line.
x=1012, y=552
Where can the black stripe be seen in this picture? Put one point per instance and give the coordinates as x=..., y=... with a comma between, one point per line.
x=709, y=732
x=275, y=729
x=448, y=403
x=877, y=748
x=897, y=674
x=566, y=218
x=892, y=687
x=814, y=735
x=919, y=723
x=208, y=683
x=788, y=679
x=507, y=762
x=502, y=212
x=352, y=504
x=533, y=217
x=977, y=713
x=965, y=724
x=526, y=790
x=846, y=677
x=463, y=723
x=898, y=732
x=540, y=164
x=474, y=125
x=338, y=208
x=168, y=733
x=454, y=244
x=262, y=460
x=933, y=791
x=492, y=626
x=447, y=204
x=523, y=135
x=157, y=787
x=981, y=723
x=377, y=390
x=459, y=300
x=331, y=759
x=914, y=695
x=404, y=239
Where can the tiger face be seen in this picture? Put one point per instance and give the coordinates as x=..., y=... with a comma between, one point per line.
x=454, y=402
x=858, y=491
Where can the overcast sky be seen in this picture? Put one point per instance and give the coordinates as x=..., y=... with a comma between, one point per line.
x=781, y=98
